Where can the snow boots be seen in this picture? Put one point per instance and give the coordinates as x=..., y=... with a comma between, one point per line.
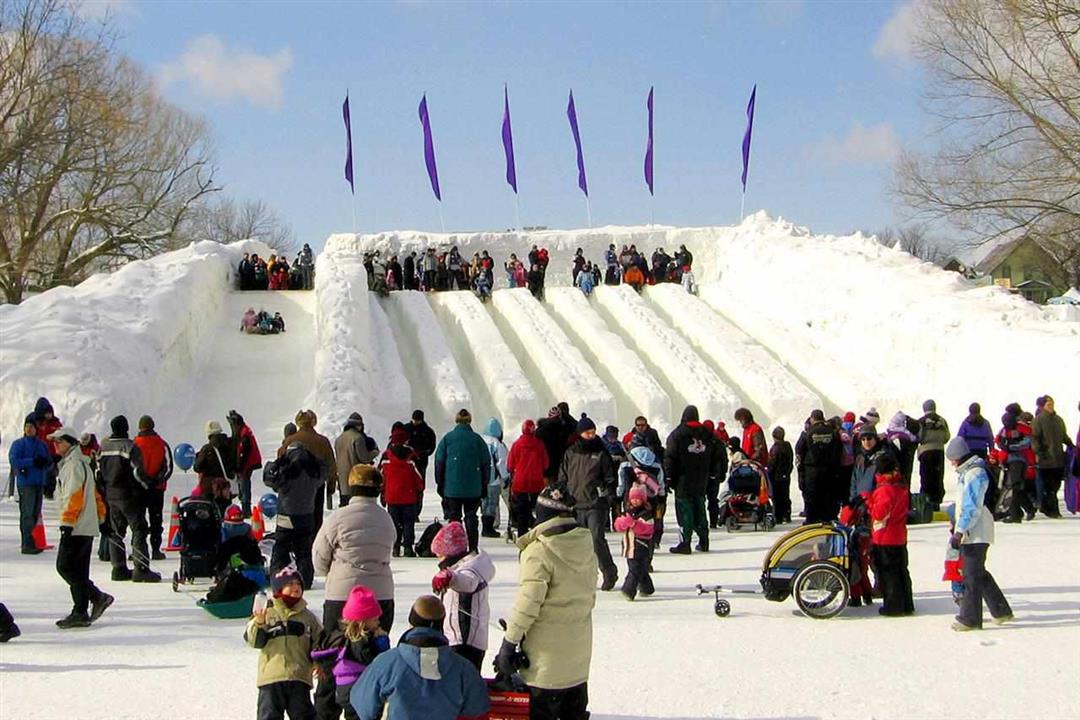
x=682, y=548
x=488, y=523
x=74, y=620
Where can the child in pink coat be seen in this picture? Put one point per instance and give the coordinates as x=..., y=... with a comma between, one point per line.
x=637, y=526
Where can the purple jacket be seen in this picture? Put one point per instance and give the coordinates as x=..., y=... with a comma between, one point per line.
x=351, y=659
x=980, y=438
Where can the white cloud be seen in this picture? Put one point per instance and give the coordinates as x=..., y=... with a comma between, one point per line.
x=896, y=39
x=861, y=146
x=100, y=9
x=214, y=71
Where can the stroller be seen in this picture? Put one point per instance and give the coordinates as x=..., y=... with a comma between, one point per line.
x=200, y=540
x=747, y=498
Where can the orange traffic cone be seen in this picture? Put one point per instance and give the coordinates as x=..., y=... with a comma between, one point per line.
x=258, y=525
x=38, y=534
x=174, y=526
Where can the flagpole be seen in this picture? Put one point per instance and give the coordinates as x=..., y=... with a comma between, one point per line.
x=517, y=212
x=353, y=204
x=588, y=211
x=742, y=207
x=652, y=210
x=442, y=223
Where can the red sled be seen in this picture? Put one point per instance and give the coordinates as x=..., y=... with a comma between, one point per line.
x=507, y=704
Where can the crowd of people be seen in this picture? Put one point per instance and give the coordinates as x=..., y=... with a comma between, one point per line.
x=435, y=270
x=275, y=273
x=564, y=486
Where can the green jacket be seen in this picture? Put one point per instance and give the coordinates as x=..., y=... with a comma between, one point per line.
x=552, y=615
x=1048, y=435
x=462, y=464
x=285, y=641
x=933, y=433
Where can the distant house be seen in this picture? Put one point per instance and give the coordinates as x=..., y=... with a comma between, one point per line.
x=956, y=265
x=1024, y=266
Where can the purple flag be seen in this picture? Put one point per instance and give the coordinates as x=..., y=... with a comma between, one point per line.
x=508, y=141
x=429, y=149
x=649, y=147
x=571, y=113
x=348, y=144
x=746, y=137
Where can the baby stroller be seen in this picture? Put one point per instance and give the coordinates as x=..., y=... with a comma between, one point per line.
x=200, y=540
x=747, y=498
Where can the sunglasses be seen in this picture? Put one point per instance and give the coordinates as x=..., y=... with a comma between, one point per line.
x=640, y=424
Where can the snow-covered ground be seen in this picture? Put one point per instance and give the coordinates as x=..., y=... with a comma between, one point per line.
x=784, y=316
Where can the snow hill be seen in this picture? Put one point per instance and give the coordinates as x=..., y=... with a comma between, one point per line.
x=785, y=321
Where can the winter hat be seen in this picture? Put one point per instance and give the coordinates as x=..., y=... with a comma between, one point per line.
x=1009, y=421
x=528, y=427
x=690, y=414
x=146, y=423
x=464, y=417
x=778, y=433
x=849, y=417
x=564, y=408
x=1014, y=409
x=364, y=476
x=399, y=436
x=974, y=409
x=428, y=611
x=709, y=425
x=585, y=424
x=66, y=434
x=213, y=428
x=119, y=425
x=418, y=415
x=361, y=605
x=289, y=429
x=557, y=497
x=233, y=514
x=305, y=419
x=886, y=465
x=929, y=406
x=734, y=445
x=611, y=432
x=872, y=416
x=451, y=540
x=554, y=411
x=283, y=577
x=868, y=430
x=30, y=419
x=642, y=455
x=637, y=493
x=957, y=449
x=817, y=415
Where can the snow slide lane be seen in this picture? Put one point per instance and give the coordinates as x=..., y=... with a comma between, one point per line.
x=494, y=375
x=671, y=359
x=549, y=358
x=635, y=389
x=771, y=387
x=437, y=382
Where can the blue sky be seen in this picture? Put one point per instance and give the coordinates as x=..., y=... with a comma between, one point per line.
x=838, y=96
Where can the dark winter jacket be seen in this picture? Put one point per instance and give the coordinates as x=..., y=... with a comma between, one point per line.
x=319, y=446
x=1048, y=435
x=862, y=475
x=421, y=438
x=206, y=461
x=462, y=464
x=933, y=432
x=555, y=433
x=117, y=461
x=30, y=460
x=819, y=447
x=648, y=438
x=977, y=432
x=781, y=461
x=588, y=470
x=296, y=477
x=691, y=457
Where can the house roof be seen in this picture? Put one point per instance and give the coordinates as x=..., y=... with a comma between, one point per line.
x=998, y=255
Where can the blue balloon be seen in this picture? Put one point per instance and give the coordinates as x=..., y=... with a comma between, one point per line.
x=268, y=505
x=184, y=455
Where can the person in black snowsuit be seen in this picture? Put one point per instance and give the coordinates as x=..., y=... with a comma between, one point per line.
x=535, y=281
x=245, y=273
x=781, y=463
x=818, y=451
x=692, y=455
x=556, y=431
x=589, y=473
x=408, y=271
x=127, y=501
x=579, y=265
x=421, y=439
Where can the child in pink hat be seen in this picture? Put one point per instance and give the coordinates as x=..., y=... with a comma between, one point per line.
x=346, y=651
x=637, y=526
x=462, y=582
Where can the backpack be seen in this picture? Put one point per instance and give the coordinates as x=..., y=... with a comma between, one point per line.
x=423, y=545
x=278, y=473
x=993, y=492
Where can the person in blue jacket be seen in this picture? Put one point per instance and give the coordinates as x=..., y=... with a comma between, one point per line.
x=422, y=677
x=30, y=461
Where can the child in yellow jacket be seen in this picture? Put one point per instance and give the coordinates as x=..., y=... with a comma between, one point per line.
x=285, y=632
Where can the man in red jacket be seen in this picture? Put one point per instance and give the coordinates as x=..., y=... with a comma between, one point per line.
x=154, y=473
x=248, y=458
x=527, y=463
x=888, y=513
x=753, y=438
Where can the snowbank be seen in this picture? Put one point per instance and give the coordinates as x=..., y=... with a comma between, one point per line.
x=766, y=384
x=689, y=380
x=357, y=366
x=635, y=389
x=427, y=355
x=489, y=366
x=550, y=359
x=129, y=342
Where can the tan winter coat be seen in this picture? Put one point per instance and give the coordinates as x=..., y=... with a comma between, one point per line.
x=319, y=446
x=554, y=604
x=287, y=656
x=353, y=547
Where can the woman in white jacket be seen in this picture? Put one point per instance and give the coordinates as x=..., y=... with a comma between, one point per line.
x=81, y=513
x=462, y=581
x=972, y=535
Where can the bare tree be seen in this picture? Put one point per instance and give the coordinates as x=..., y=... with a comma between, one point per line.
x=1005, y=82
x=914, y=240
x=225, y=220
x=95, y=168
